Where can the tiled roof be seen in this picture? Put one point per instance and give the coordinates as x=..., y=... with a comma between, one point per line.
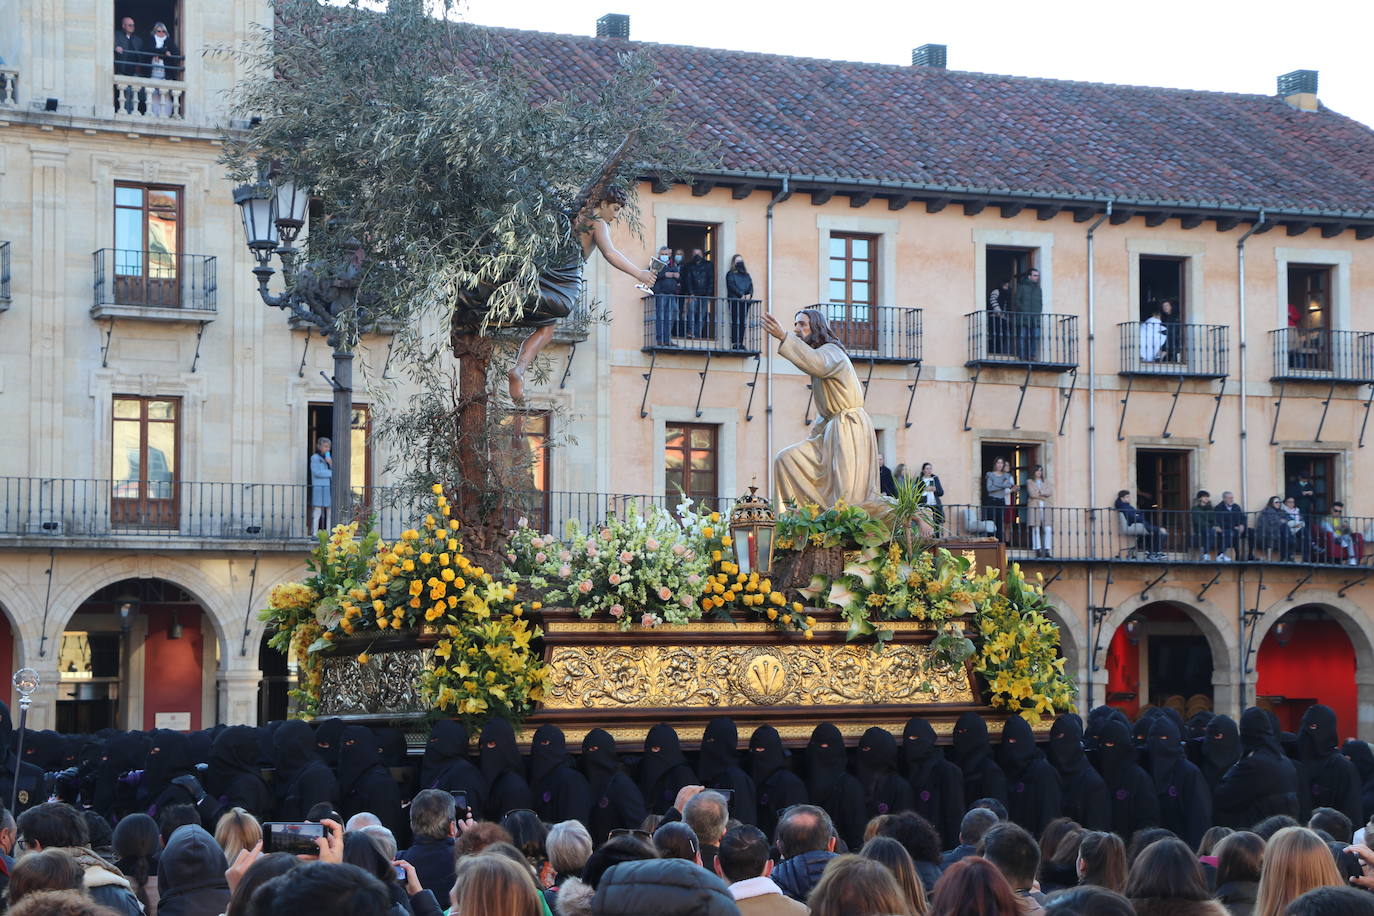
x=923, y=128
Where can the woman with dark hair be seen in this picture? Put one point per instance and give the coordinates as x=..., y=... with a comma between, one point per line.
x=739, y=286
x=1166, y=880
x=1089, y=900
x=1102, y=861
x=262, y=870
x=49, y=870
x=893, y=856
x=1240, y=858
x=1059, y=854
x=675, y=840
x=528, y=834
x=932, y=492
x=137, y=843
x=973, y=886
x=998, y=485
x=1207, y=848
x=408, y=898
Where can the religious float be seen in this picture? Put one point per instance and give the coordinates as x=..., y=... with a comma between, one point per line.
x=671, y=616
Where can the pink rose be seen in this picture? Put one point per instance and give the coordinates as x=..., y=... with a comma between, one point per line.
x=678, y=550
x=648, y=620
x=606, y=534
x=584, y=586
x=511, y=557
x=693, y=579
x=537, y=543
x=687, y=601
x=522, y=522
x=626, y=556
x=564, y=571
x=617, y=611
x=613, y=578
x=651, y=544
x=565, y=555
x=691, y=555
x=540, y=557
x=665, y=593
x=591, y=550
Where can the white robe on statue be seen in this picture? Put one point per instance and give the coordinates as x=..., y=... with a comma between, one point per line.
x=840, y=459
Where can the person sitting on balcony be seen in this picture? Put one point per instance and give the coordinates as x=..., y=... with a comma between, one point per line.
x=128, y=49
x=1342, y=535
x=699, y=282
x=1153, y=338
x=1207, y=533
x=1272, y=525
x=1231, y=522
x=1153, y=537
x=667, y=286
x=1028, y=302
x=739, y=286
x=1297, y=528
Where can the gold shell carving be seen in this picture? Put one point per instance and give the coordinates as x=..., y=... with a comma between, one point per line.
x=652, y=677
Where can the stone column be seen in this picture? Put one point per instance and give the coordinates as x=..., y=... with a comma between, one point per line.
x=238, y=695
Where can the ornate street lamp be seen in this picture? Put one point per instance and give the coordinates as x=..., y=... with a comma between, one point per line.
x=274, y=211
x=751, y=530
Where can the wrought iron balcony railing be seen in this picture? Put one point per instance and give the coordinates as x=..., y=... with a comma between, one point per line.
x=1303, y=354
x=4, y=275
x=1022, y=339
x=702, y=324
x=154, y=280
x=1172, y=348
x=881, y=333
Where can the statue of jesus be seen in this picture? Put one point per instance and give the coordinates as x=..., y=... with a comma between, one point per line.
x=840, y=459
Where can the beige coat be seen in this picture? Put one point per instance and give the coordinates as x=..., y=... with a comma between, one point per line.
x=1038, y=493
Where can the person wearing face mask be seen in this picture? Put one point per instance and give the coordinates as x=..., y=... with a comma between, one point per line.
x=1220, y=749
x=560, y=792
x=699, y=285
x=1185, y=800
x=366, y=785
x=1129, y=788
x=1263, y=782
x=718, y=766
x=663, y=770
x=500, y=764
x=778, y=787
x=667, y=291
x=830, y=785
x=972, y=753
x=1033, y=798
x=1082, y=792
x=875, y=765
x=446, y=766
x=1326, y=779
x=616, y=800
x=739, y=286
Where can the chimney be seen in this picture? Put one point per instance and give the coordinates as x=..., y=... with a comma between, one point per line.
x=1299, y=89
x=613, y=25
x=929, y=56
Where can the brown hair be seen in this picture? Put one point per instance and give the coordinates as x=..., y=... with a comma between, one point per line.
x=1295, y=861
x=237, y=830
x=493, y=885
x=821, y=332
x=1056, y=832
x=855, y=886
x=894, y=857
x=58, y=903
x=1240, y=857
x=973, y=886
x=1104, y=860
x=49, y=870
x=874, y=825
x=1207, y=846
x=478, y=837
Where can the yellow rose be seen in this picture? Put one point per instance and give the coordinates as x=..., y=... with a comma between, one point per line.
x=715, y=517
x=408, y=566
x=453, y=524
x=447, y=575
x=708, y=532
x=363, y=658
x=426, y=558
x=726, y=541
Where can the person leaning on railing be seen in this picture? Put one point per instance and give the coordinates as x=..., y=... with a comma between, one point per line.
x=1233, y=526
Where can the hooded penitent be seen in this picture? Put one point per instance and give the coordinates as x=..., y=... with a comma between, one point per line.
x=327, y=740
x=446, y=766
x=1082, y=792
x=718, y=766
x=302, y=780
x=937, y=785
x=1220, y=748
x=983, y=778
x=560, y=792
x=365, y=784
x=1129, y=788
x=168, y=757
x=875, y=765
x=616, y=800
x=1262, y=783
x=123, y=752
x=1185, y=799
x=190, y=875
x=1032, y=784
x=778, y=787
x=663, y=769
x=1359, y=753
x=500, y=764
x=233, y=775
x=1326, y=777
x=830, y=785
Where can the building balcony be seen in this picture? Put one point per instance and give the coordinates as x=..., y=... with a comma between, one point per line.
x=702, y=324
x=9, y=87
x=1173, y=537
x=877, y=333
x=146, y=100
x=1022, y=340
x=4, y=275
x=1318, y=355
x=1173, y=349
x=154, y=285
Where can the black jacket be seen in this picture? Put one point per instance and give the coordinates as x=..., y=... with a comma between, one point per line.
x=1185, y=800
x=233, y=778
x=669, y=280
x=446, y=766
x=1238, y=897
x=1220, y=749
x=936, y=784
x=1263, y=783
x=778, y=787
x=663, y=887
x=434, y=864
x=698, y=278
x=1130, y=790
x=1359, y=753
x=663, y=769
x=500, y=759
x=132, y=61
x=972, y=753
x=875, y=765
x=797, y=875
x=366, y=785
x=738, y=284
x=616, y=800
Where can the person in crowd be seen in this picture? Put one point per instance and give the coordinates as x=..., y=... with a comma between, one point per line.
x=875, y=766
x=1015, y=854
x=1166, y=880
x=569, y=846
x=1102, y=860
x=1028, y=303
x=830, y=785
x=856, y=886
x=1358, y=752
x=1207, y=533
x=676, y=840
x=1273, y=824
x=1059, y=843
x=528, y=833
x=502, y=768
x=718, y=767
x=1234, y=528
x=972, y=753
x=975, y=823
x=1296, y=860
x=663, y=887
x=699, y=285
x=1300, y=540
x=1152, y=541
x=128, y=50
x=744, y=862
x=893, y=856
x=918, y=837
x=1271, y=526
x=778, y=787
x=364, y=783
x=1185, y=799
x=168, y=773
x=446, y=766
x=321, y=481
x=1142, y=838
x=616, y=800
x=237, y=830
x=1129, y=787
x=406, y=896
x=1262, y=783
x=998, y=487
x=973, y=887
x=302, y=779
x=560, y=792
x=667, y=290
x=326, y=887
x=1038, y=493
x=1082, y=792
x=1239, y=860
x=1211, y=838
x=1154, y=337
x=1089, y=901
x=190, y=875
x=1220, y=749
x=247, y=874
x=1342, y=536
x=174, y=816
x=887, y=483
x=1325, y=777
x=433, y=828
x=663, y=769
x=58, y=903
x=477, y=837
x=739, y=286
x=708, y=814
x=233, y=777
x=49, y=870
x=137, y=845
x=1332, y=901
x=937, y=784
x=55, y=825
x=102, y=834
x=1033, y=798
x=806, y=841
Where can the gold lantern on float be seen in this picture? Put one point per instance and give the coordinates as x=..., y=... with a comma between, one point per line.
x=751, y=530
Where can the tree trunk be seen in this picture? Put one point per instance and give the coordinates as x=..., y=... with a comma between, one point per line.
x=476, y=501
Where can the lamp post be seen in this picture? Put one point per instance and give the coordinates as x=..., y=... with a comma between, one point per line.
x=273, y=212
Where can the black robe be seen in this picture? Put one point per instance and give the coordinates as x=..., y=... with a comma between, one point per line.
x=1185, y=799
x=1130, y=790
x=328, y=738
x=302, y=779
x=169, y=757
x=446, y=766
x=616, y=800
x=1033, y=798
x=1359, y=753
x=779, y=788
x=391, y=743
x=937, y=786
x=1264, y=782
x=663, y=769
x=1082, y=791
x=500, y=764
x=830, y=785
x=983, y=778
x=718, y=766
x=1195, y=734
x=1326, y=777
x=233, y=777
x=875, y=765
x=366, y=785
x=560, y=792
x=122, y=753
x=1220, y=749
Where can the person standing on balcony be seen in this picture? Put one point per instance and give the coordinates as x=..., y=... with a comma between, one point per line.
x=739, y=286
x=699, y=282
x=128, y=49
x=1038, y=493
x=999, y=303
x=998, y=485
x=1206, y=532
x=1153, y=338
x=321, y=479
x=667, y=286
x=1028, y=302
x=162, y=65
x=932, y=492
